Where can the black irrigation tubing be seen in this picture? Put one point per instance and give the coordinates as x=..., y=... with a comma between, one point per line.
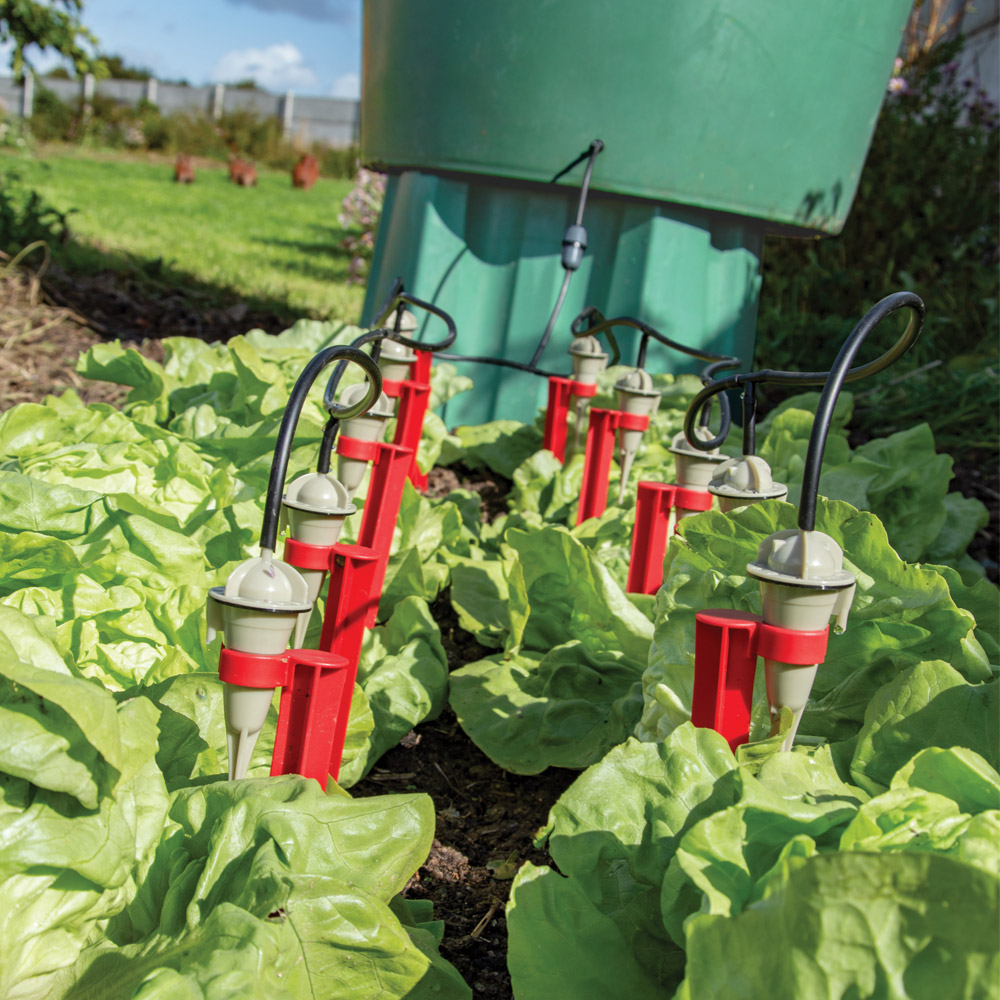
x=750, y=419
x=499, y=362
x=330, y=392
x=590, y=155
x=603, y=325
x=326, y=445
x=842, y=372
x=831, y=380
x=290, y=420
x=399, y=297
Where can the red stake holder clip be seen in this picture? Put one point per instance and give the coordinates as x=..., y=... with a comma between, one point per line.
x=390, y=466
x=654, y=504
x=561, y=393
x=600, y=448
x=414, y=397
x=727, y=644
x=350, y=601
x=312, y=709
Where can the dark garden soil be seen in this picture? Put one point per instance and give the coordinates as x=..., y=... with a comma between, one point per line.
x=486, y=817
x=486, y=821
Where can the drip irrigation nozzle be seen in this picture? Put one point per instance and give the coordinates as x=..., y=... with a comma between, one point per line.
x=368, y=426
x=803, y=584
x=694, y=466
x=740, y=482
x=589, y=361
x=637, y=396
x=315, y=506
x=256, y=611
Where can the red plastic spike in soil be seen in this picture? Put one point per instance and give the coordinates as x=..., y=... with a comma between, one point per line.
x=727, y=644
x=604, y=424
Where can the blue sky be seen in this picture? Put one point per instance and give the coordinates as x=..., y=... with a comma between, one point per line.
x=309, y=46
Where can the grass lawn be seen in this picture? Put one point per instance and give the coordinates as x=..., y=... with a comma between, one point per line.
x=272, y=245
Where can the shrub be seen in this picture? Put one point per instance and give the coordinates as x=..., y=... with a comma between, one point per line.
x=360, y=213
x=926, y=219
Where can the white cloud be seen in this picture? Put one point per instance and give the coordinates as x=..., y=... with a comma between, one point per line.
x=278, y=67
x=347, y=85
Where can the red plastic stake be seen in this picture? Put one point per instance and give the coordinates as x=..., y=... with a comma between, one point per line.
x=556, y=416
x=561, y=392
x=727, y=644
x=350, y=599
x=653, y=506
x=422, y=367
x=378, y=522
x=413, y=401
x=597, y=463
x=725, y=661
x=312, y=703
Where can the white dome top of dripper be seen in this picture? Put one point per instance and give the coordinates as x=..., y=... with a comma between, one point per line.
x=682, y=446
x=408, y=324
x=382, y=408
x=320, y=493
x=395, y=352
x=588, y=359
x=749, y=476
x=266, y=584
x=638, y=382
x=801, y=558
x=586, y=347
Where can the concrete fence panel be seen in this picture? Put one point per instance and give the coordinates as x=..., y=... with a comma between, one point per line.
x=332, y=121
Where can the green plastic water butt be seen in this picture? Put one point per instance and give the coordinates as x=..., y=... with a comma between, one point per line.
x=721, y=120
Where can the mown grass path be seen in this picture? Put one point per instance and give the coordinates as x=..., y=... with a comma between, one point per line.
x=271, y=244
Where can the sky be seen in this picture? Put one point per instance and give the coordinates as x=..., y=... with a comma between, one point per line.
x=309, y=46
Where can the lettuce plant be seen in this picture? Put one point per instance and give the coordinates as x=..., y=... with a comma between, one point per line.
x=132, y=868
x=682, y=868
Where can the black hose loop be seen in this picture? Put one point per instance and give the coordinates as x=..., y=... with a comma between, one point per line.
x=648, y=331
x=879, y=311
x=839, y=373
x=290, y=420
x=333, y=384
x=400, y=298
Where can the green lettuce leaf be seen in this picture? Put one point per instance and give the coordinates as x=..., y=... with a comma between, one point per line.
x=566, y=687
x=594, y=931
x=853, y=924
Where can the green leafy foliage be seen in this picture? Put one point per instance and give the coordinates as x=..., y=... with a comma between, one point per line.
x=48, y=24
x=127, y=861
x=679, y=867
x=566, y=687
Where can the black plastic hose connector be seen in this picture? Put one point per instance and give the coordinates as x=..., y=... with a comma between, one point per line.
x=574, y=243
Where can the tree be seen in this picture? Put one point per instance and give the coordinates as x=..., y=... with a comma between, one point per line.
x=49, y=24
x=119, y=69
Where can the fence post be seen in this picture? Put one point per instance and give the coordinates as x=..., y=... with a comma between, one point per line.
x=28, y=96
x=152, y=89
x=87, y=88
x=218, y=100
x=288, y=113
